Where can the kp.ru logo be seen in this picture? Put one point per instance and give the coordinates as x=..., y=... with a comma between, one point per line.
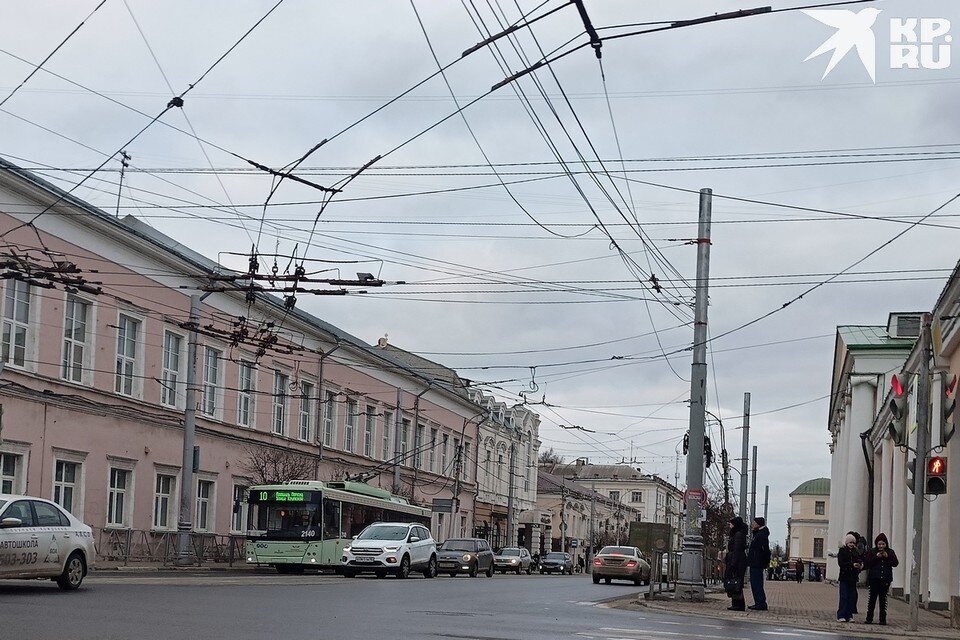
x=915, y=43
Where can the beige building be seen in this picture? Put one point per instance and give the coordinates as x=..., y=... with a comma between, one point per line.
x=808, y=523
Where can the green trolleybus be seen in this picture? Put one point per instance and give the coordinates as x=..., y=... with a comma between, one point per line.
x=307, y=523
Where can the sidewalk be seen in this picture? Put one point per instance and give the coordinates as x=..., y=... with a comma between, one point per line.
x=812, y=605
x=106, y=566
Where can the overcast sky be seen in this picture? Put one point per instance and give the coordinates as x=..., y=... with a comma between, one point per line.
x=523, y=289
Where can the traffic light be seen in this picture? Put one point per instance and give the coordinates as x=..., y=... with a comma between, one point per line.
x=707, y=451
x=911, y=474
x=948, y=417
x=898, y=408
x=936, y=476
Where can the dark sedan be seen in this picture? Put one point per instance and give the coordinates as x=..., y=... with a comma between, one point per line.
x=465, y=555
x=557, y=562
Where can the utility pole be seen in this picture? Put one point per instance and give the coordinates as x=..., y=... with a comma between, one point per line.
x=725, y=460
x=563, y=518
x=766, y=501
x=690, y=584
x=753, y=486
x=920, y=469
x=455, y=507
x=185, y=520
x=745, y=453
x=397, y=425
x=511, y=488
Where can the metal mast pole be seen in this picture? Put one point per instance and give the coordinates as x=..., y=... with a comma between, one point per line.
x=397, y=458
x=920, y=470
x=745, y=456
x=511, y=489
x=766, y=500
x=690, y=585
x=593, y=500
x=753, y=485
x=185, y=520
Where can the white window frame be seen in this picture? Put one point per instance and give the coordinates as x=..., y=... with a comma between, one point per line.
x=404, y=441
x=68, y=360
x=9, y=325
x=278, y=404
x=444, y=440
x=350, y=425
x=418, y=434
x=171, y=380
x=636, y=497
x=370, y=426
x=465, y=467
x=135, y=361
x=307, y=402
x=387, y=444
x=128, y=493
x=209, y=501
x=211, y=404
x=432, y=456
x=77, y=496
x=244, y=485
x=329, y=418
x=173, y=498
x=20, y=452
x=247, y=395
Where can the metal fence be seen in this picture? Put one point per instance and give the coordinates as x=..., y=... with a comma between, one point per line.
x=136, y=545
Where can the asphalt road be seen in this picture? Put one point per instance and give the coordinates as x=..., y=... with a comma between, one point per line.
x=229, y=606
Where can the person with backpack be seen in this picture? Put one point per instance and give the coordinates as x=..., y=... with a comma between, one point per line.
x=880, y=562
x=758, y=558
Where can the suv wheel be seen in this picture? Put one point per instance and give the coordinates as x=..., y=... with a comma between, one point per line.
x=431, y=570
x=490, y=570
x=596, y=579
x=403, y=571
x=474, y=569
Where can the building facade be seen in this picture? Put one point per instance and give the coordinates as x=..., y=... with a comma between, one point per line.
x=95, y=334
x=808, y=524
x=870, y=472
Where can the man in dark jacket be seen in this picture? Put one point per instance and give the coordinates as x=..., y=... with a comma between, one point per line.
x=880, y=562
x=758, y=557
x=736, y=564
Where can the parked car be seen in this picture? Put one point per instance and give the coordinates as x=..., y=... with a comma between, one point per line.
x=516, y=559
x=38, y=539
x=556, y=561
x=391, y=547
x=621, y=563
x=465, y=555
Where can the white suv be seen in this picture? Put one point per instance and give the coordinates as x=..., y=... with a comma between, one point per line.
x=391, y=547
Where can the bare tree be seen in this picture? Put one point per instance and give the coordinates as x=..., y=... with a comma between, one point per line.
x=549, y=456
x=271, y=465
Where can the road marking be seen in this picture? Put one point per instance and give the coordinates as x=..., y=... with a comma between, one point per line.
x=781, y=633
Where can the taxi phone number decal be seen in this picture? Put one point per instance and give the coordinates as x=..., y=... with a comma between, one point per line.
x=17, y=559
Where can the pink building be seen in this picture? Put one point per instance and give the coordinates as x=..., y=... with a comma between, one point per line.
x=95, y=339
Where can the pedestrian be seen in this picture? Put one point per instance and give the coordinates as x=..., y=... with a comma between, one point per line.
x=880, y=562
x=850, y=562
x=799, y=575
x=758, y=557
x=771, y=568
x=817, y=575
x=862, y=554
x=735, y=563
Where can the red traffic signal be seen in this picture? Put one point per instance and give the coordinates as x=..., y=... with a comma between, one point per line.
x=896, y=384
x=936, y=466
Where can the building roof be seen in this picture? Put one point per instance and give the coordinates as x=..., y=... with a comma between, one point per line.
x=598, y=471
x=548, y=483
x=871, y=337
x=815, y=487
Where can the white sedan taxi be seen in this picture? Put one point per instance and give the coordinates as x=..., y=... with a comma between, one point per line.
x=38, y=539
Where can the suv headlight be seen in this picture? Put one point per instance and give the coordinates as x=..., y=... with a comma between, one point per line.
x=391, y=549
x=467, y=557
x=346, y=549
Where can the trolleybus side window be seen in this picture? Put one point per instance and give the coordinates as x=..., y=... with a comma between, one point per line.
x=331, y=519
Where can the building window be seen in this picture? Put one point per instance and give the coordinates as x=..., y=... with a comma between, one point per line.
x=432, y=456
x=371, y=424
x=246, y=406
x=404, y=440
x=350, y=426
x=238, y=523
x=387, y=421
x=818, y=547
x=636, y=496
x=204, y=500
x=418, y=446
x=499, y=467
x=65, y=479
x=163, y=500
x=306, y=410
x=211, y=380
x=16, y=322
x=170, y=377
x=329, y=419
x=819, y=507
x=128, y=330
x=456, y=450
x=280, y=382
x=486, y=465
x=116, y=497
x=444, y=439
x=465, y=467
x=9, y=473
x=75, y=338
x=526, y=479
x=615, y=496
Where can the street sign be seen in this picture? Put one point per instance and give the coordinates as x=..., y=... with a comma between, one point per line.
x=700, y=495
x=574, y=543
x=442, y=505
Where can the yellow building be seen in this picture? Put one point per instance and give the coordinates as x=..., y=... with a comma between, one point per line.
x=808, y=523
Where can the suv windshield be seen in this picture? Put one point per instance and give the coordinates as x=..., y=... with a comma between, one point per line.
x=2, y=502
x=384, y=532
x=556, y=556
x=622, y=551
x=510, y=552
x=458, y=545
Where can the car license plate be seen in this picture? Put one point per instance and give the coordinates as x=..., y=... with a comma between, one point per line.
x=365, y=560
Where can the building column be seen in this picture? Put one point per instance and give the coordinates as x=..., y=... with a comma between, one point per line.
x=836, y=505
x=899, y=540
x=860, y=417
x=884, y=479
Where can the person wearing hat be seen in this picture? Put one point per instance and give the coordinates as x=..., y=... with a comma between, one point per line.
x=735, y=563
x=851, y=563
x=880, y=562
x=758, y=557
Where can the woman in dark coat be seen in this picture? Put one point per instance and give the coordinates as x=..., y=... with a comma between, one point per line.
x=736, y=562
x=851, y=564
x=880, y=562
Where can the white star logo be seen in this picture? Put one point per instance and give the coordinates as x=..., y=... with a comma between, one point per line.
x=854, y=30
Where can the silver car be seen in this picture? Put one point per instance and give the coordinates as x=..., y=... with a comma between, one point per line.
x=515, y=559
x=38, y=539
